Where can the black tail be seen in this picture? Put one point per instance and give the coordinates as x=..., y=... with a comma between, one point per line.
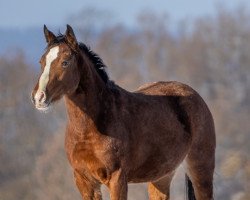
x=189, y=189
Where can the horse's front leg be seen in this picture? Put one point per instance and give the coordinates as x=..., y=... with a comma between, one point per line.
x=118, y=185
x=89, y=188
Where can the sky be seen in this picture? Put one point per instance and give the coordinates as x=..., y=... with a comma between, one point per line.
x=31, y=13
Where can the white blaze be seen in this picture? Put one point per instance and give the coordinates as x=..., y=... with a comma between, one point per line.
x=44, y=79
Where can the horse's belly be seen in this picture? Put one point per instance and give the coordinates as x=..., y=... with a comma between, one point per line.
x=156, y=162
x=153, y=169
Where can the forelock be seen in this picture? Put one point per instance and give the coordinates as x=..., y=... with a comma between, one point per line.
x=60, y=38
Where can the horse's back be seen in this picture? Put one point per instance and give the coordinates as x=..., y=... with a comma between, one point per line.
x=170, y=88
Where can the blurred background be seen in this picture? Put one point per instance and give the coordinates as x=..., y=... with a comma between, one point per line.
x=205, y=44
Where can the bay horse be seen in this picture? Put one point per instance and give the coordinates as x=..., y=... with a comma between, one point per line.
x=115, y=137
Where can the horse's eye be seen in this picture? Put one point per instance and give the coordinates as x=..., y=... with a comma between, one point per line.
x=65, y=64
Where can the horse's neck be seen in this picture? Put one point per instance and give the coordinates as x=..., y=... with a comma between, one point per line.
x=84, y=105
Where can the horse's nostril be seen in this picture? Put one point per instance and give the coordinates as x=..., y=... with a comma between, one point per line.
x=42, y=97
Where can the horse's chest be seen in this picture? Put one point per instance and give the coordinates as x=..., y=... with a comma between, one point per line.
x=94, y=158
x=85, y=154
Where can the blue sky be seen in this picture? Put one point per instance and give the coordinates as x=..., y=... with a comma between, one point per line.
x=30, y=13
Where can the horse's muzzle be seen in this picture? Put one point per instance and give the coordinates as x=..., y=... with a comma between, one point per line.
x=40, y=100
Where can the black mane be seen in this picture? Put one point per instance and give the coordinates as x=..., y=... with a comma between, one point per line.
x=100, y=67
x=97, y=61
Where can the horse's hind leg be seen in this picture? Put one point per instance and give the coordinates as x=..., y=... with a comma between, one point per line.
x=201, y=176
x=200, y=165
x=160, y=189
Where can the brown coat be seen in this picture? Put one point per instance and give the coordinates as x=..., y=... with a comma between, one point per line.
x=115, y=137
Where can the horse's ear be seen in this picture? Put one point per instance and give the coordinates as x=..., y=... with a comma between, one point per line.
x=49, y=36
x=71, y=38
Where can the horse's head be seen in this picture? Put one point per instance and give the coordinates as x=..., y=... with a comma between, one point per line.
x=59, y=70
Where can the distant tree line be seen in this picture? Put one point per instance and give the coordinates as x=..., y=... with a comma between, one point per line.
x=209, y=53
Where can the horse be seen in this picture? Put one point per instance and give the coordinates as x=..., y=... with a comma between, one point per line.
x=115, y=137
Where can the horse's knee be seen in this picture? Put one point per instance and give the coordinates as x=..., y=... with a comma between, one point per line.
x=89, y=188
x=160, y=189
